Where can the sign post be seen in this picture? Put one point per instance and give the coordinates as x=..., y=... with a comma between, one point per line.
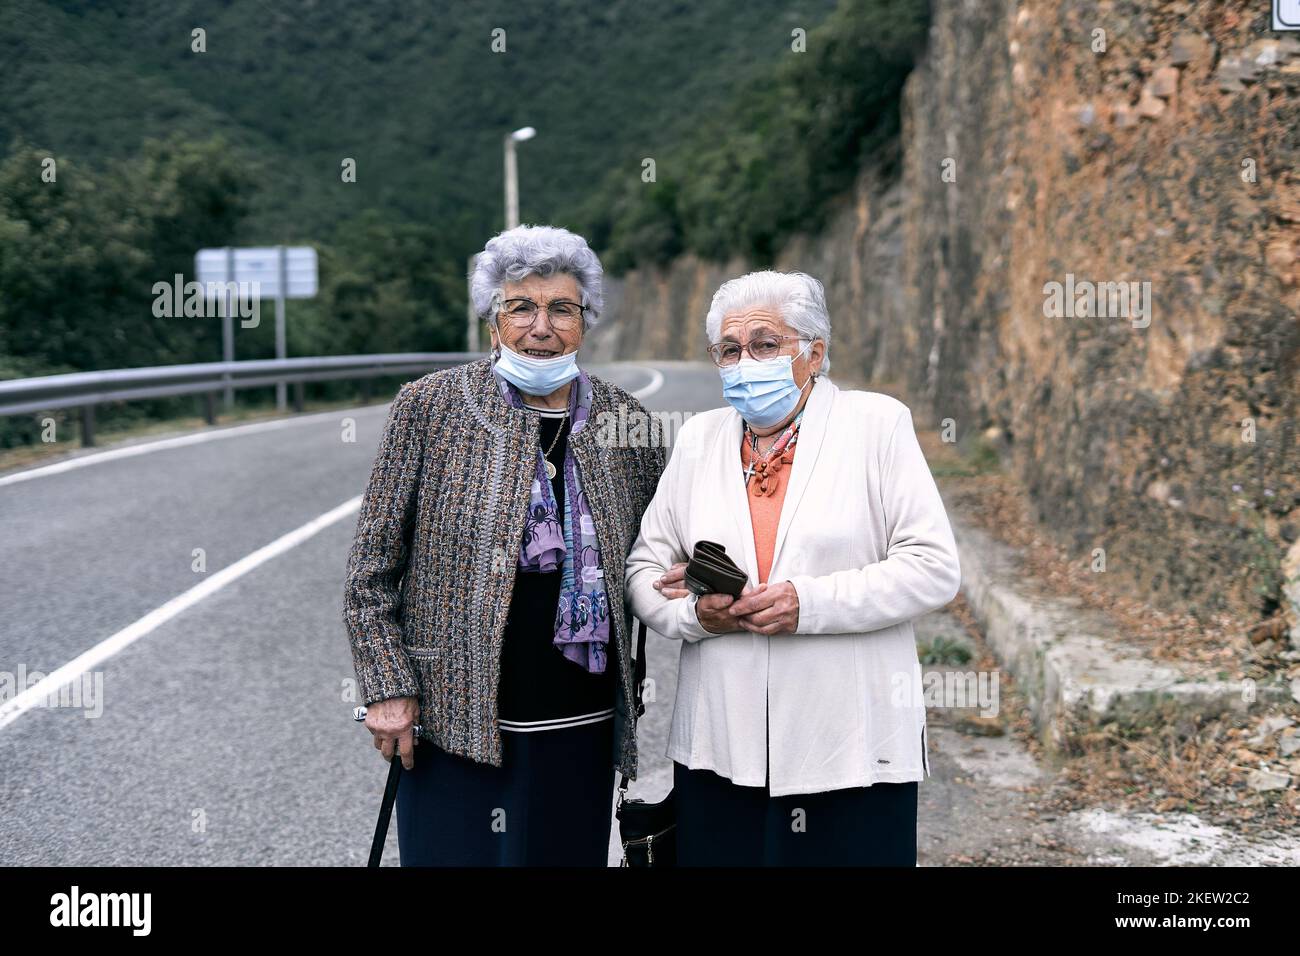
x=281, y=285
x=228, y=326
x=255, y=272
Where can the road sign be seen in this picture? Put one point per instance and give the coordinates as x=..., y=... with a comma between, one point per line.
x=260, y=264
x=275, y=272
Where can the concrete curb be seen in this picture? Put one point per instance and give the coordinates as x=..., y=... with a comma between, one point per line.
x=1074, y=674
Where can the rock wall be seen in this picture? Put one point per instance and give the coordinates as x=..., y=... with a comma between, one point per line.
x=1057, y=141
x=660, y=313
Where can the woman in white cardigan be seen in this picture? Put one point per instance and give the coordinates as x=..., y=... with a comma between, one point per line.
x=798, y=731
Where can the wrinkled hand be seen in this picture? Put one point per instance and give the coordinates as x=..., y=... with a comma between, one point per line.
x=714, y=614
x=391, y=722
x=672, y=583
x=767, y=609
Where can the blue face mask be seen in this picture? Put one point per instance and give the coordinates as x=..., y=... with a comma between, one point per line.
x=534, y=376
x=763, y=392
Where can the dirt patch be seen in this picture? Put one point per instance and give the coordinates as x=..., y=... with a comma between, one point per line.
x=1176, y=779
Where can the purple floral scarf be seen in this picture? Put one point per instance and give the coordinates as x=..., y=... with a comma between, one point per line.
x=582, y=615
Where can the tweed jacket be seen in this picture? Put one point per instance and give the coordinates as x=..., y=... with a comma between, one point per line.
x=432, y=566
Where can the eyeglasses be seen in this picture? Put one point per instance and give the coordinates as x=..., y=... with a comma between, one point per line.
x=564, y=315
x=761, y=349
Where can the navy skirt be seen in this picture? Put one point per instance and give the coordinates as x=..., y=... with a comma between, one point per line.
x=549, y=804
x=720, y=823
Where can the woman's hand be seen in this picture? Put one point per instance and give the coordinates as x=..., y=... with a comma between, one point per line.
x=711, y=611
x=672, y=583
x=391, y=722
x=767, y=609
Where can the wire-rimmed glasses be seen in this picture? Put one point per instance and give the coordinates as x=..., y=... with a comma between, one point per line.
x=761, y=348
x=563, y=314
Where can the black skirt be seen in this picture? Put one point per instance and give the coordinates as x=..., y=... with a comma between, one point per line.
x=549, y=804
x=720, y=823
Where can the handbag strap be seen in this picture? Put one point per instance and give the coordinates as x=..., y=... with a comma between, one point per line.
x=638, y=705
x=638, y=670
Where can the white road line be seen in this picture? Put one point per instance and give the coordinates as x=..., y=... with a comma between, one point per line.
x=13, y=709
x=198, y=438
x=656, y=382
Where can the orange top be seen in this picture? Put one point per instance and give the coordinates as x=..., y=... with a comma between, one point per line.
x=766, y=492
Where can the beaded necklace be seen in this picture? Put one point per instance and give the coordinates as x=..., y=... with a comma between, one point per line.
x=768, y=466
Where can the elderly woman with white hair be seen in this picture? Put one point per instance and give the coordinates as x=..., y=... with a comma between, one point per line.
x=484, y=597
x=798, y=730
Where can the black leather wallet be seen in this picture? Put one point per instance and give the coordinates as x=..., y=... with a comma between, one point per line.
x=711, y=571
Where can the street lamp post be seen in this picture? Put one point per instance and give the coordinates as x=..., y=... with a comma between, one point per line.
x=520, y=135
x=512, y=174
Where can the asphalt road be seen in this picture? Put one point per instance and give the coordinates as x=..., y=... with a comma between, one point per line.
x=219, y=730
x=223, y=735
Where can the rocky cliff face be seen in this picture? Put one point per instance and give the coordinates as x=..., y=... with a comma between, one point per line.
x=1091, y=255
x=659, y=313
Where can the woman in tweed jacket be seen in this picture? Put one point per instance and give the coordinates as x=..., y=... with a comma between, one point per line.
x=484, y=603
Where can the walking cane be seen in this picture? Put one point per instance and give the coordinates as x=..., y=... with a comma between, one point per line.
x=390, y=794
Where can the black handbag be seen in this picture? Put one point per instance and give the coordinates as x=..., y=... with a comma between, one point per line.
x=648, y=831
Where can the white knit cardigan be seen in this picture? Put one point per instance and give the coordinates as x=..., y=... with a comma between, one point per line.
x=865, y=540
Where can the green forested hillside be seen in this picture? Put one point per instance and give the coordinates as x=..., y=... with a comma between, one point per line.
x=412, y=91
x=161, y=150
x=767, y=165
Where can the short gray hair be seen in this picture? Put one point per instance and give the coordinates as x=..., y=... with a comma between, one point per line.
x=797, y=297
x=535, y=250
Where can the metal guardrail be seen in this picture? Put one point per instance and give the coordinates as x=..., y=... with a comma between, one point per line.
x=85, y=390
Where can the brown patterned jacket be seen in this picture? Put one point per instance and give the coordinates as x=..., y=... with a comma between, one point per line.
x=432, y=567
